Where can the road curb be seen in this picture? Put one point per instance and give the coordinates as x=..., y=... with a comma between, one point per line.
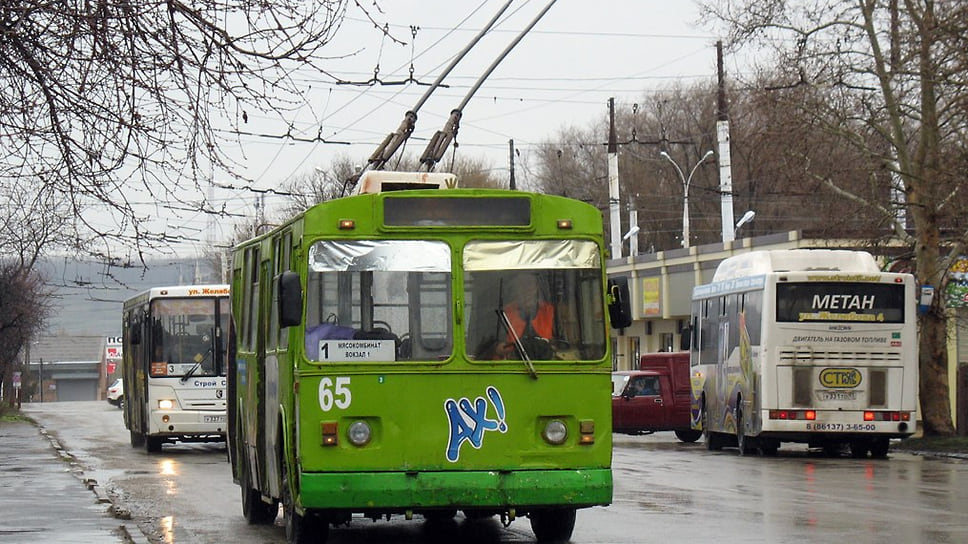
x=951, y=455
x=135, y=536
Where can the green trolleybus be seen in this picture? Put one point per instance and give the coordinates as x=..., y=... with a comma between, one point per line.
x=385, y=366
x=174, y=363
x=815, y=346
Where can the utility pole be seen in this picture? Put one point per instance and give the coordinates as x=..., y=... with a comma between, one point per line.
x=511, y=184
x=722, y=137
x=615, y=219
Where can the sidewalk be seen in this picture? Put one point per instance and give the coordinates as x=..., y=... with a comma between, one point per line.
x=45, y=498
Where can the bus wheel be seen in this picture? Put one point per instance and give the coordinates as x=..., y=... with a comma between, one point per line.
x=712, y=440
x=301, y=529
x=742, y=441
x=768, y=446
x=879, y=448
x=137, y=439
x=858, y=449
x=553, y=524
x=688, y=436
x=834, y=449
x=254, y=509
x=153, y=444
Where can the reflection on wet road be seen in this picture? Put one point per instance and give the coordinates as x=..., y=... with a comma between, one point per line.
x=683, y=491
x=665, y=491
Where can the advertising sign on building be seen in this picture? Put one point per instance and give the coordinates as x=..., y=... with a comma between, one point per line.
x=957, y=292
x=112, y=355
x=651, y=297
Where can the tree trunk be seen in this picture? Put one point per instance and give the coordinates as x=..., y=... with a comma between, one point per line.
x=933, y=378
x=926, y=205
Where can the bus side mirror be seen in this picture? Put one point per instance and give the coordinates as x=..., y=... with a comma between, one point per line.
x=134, y=333
x=619, y=304
x=290, y=299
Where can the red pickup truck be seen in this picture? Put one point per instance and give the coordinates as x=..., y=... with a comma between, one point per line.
x=655, y=397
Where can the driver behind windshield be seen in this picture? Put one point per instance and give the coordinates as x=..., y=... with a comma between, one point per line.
x=530, y=315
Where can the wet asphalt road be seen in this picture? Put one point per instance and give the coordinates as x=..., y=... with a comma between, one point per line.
x=664, y=491
x=42, y=499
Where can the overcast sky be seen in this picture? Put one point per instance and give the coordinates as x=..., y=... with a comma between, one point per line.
x=561, y=74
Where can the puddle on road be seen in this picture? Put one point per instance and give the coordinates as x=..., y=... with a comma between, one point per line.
x=167, y=525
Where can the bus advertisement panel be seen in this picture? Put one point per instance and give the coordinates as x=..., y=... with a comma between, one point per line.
x=811, y=346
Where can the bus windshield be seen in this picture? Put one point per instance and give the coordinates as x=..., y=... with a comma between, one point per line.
x=393, y=296
x=535, y=300
x=839, y=302
x=186, y=339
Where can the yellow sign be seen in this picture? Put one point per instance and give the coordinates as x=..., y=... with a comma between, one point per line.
x=840, y=378
x=651, y=297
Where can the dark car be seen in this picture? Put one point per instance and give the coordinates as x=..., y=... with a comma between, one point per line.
x=655, y=398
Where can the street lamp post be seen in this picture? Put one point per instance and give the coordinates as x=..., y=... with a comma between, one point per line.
x=686, y=180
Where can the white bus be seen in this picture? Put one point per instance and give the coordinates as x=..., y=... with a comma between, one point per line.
x=811, y=346
x=174, y=361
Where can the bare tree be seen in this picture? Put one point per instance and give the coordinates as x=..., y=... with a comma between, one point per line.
x=33, y=222
x=338, y=180
x=106, y=98
x=24, y=305
x=887, y=78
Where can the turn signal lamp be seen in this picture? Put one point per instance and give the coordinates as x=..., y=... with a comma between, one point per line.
x=347, y=224
x=887, y=416
x=564, y=224
x=166, y=404
x=793, y=414
x=586, y=429
x=329, y=428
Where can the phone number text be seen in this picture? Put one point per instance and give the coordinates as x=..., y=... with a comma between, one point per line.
x=843, y=427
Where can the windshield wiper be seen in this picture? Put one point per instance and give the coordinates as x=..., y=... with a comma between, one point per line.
x=517, y=342
x=196, y=366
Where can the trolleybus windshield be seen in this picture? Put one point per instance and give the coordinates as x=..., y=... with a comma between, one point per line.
x=542, y=297
x=378, y=301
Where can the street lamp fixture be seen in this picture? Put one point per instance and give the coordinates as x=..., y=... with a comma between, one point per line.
x=686, y=180
x=747, y=217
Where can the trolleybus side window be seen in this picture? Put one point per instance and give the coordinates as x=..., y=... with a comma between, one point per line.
x=286, y=264
x=540, y=296
x=392, y=294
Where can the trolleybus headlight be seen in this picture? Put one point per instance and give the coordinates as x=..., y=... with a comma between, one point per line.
x=359, y=433
x=166, y=404
x=555, y=432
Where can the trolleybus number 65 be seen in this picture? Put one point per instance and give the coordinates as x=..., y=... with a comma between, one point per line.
x=337, y=394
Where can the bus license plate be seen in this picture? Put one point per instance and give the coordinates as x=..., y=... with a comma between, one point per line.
x=213, y=419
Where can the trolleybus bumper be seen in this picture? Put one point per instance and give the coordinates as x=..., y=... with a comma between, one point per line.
x=478, y=489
